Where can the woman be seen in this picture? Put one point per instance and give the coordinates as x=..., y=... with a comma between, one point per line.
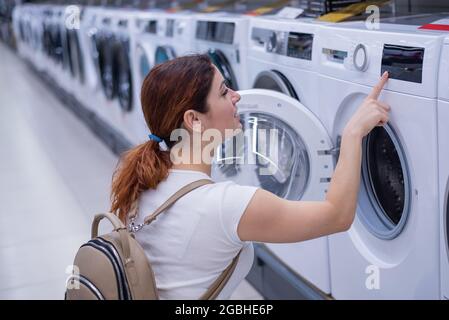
x=197, y=238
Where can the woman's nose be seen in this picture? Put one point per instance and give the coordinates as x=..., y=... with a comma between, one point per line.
x=235, y=97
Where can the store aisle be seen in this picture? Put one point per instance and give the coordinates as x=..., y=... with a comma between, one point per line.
x=54, y=176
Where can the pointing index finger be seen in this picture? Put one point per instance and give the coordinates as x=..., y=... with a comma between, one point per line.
x=374, y=94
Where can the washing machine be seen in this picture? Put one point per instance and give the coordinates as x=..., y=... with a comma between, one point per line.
x=73, y=52
x=20, y=17
x=176, y=36
x=125, y=31
x=392, y=248
x=91, y=94
x=147, y=37
x=223, y=36
x=28, y=32
x=283, y=57
x=443, y=161
x=98, y=38
x=57, y=63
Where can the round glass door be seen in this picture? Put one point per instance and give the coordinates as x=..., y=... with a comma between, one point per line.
x=268, y=153
x=275, y=81
x=164, y=54
x=282, y=148
x=144, y=63
x=107, y=66
x=124, y=76
x=75, y=55
x=386, y=183
x=221, y=62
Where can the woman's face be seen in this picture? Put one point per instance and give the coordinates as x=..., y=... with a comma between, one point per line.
x=222, y=113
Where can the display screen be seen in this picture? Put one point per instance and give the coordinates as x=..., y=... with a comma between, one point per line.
x=300, y=45
x=151, y=26
x=222, y=32
x=403, y=63
x=170, y=28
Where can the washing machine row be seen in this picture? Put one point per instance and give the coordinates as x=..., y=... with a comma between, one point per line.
x=443, y=163
x=393, y=248
x=397, y=246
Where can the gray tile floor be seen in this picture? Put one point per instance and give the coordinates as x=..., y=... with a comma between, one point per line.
x=54, y=176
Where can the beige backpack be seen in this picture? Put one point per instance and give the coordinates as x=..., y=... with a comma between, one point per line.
x=114, y=266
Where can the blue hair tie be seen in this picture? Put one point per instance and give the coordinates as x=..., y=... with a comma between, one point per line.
x=154, y=138
x=162, y=145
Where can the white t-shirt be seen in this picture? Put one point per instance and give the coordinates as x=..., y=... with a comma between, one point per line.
x=191, y=243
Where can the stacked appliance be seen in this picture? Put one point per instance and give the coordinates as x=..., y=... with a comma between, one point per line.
x=223, y=37
x=392, y=248
x=282, y=63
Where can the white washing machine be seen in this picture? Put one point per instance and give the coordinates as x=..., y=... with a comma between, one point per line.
x=124, y=44
x=92, y=89
x=21, y=18
x=98, y=37
x=176, y=32
x=443, y=160
x=287, y=151
x=283, y=57
x=147, y=37
x=74, y=52
x=223, y=36
x=392, y=248
x=29, y=32
x=58, y=65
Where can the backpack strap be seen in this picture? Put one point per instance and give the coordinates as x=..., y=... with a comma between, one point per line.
x=175, y=197
x=216, y=287
x=221, y=281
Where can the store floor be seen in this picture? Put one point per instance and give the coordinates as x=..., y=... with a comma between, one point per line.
x=54, y=176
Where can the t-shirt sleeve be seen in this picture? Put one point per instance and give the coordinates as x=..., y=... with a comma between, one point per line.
x=234, y=200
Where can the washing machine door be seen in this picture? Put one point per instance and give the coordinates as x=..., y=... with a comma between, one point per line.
x=75, y=57
x=221, y=62
x=385, y=195
x=144, y=61
x=275, y=81
x=108, y=69
x=283, y=148
x=124, y=86
x=57, y=44
x=163, y=54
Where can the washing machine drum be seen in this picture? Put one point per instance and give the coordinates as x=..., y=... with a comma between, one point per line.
x=163, y=54
x=222, y=63
x=268, y=154
x=46, y=40
x=74, y=55
x=144, y=65
x=275, y=81
x=56, y=43
x=124, y=78
x=385, y=176
x=22, y=30
x=108, y=69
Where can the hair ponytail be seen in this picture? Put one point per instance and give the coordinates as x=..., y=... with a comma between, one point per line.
x=141, y=168
x=168, y=91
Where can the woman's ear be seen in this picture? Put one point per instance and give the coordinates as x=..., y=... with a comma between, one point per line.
x=192, y=122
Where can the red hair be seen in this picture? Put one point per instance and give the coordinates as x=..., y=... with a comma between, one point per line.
x=168, y=91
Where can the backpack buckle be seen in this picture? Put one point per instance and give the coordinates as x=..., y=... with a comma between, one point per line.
x=133, y=227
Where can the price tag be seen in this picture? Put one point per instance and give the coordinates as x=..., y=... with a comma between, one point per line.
x=290, y=13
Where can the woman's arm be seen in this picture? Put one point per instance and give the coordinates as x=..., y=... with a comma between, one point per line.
x=269, y=218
